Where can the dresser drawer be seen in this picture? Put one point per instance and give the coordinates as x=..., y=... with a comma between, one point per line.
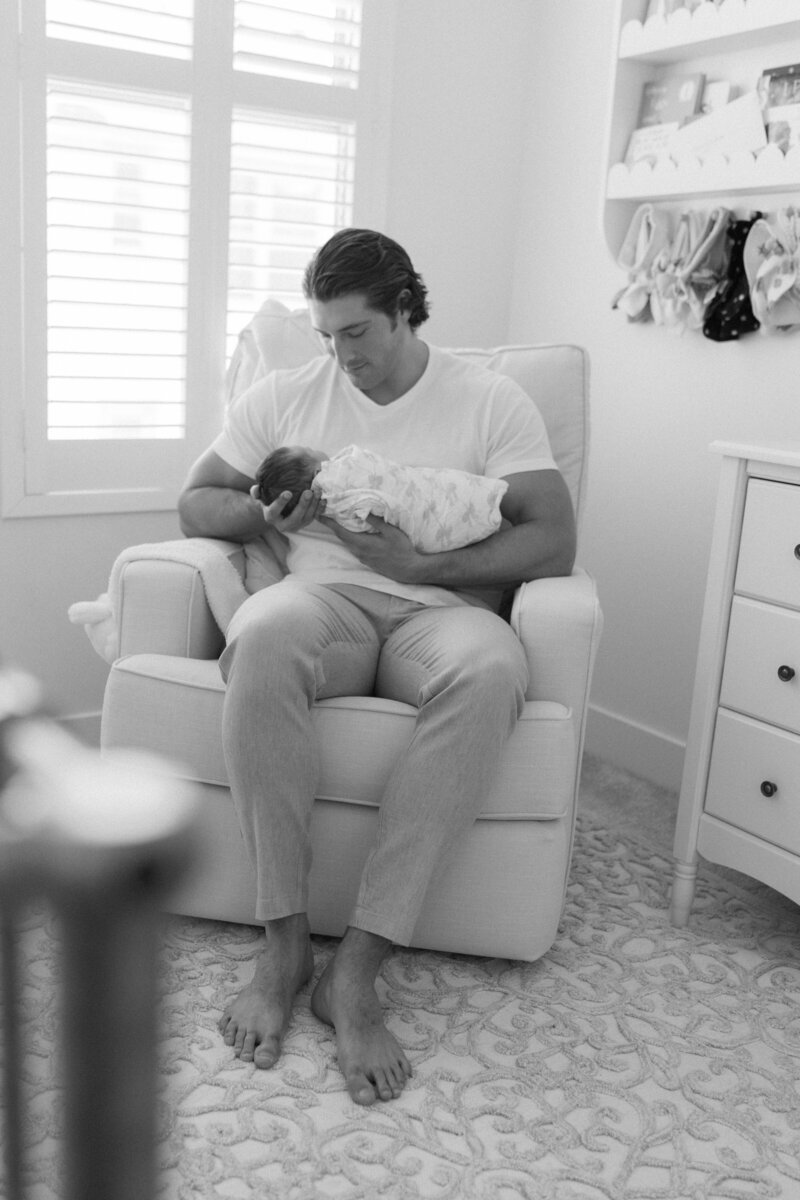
x=747, y=760
x=769, y=551
x=761, y=676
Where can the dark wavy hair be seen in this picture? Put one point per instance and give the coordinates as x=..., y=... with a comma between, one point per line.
x=284, y=470
x=360, y=260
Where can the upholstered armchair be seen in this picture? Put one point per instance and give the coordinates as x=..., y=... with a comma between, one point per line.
x=501, y=891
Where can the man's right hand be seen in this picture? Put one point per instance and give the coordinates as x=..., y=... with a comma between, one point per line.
x=309, y=507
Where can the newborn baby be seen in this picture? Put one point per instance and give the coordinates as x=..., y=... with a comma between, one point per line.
x=439, y=508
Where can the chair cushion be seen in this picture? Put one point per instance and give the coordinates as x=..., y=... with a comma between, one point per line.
x=173, y=706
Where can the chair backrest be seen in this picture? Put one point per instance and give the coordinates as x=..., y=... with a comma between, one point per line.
x=556, y=377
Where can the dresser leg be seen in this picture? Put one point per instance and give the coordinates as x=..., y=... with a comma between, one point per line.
x=683, y=882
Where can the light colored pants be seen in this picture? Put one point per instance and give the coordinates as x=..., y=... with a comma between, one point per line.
x=294, y=643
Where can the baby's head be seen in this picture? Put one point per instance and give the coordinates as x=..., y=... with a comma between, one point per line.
x=287, y=469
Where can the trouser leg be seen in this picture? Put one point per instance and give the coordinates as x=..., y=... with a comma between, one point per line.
x=466, y=672
x=287, y=646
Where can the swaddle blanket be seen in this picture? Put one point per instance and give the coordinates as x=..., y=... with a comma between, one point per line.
x=438, y=508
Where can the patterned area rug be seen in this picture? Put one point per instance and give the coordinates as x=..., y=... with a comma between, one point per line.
x=634, y=1062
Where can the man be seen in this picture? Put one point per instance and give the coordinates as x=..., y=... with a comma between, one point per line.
x=365, y=612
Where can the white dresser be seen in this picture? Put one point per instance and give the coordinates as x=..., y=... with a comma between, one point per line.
x=740, y=795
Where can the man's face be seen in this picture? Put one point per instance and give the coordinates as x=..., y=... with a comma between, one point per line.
x=366, y=344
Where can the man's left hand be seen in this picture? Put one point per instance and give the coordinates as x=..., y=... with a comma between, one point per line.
x=385, y=549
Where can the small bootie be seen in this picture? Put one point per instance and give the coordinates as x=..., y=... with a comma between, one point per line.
x=647, y=236
x=772, y=265
x=730, y=312
x=702, y=274
x=671, y=300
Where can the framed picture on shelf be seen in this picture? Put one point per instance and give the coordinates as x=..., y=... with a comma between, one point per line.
x=672, y=98
x=779, y=92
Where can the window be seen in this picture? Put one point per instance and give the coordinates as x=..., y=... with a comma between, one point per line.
x=178, y=162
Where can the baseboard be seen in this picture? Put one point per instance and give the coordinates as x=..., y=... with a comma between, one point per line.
x=635, y=747
x=85, y=727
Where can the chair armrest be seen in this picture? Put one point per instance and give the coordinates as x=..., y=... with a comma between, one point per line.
x=559, y=622
x=163, y=608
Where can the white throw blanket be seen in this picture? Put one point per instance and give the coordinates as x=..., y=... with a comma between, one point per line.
x=224, y=588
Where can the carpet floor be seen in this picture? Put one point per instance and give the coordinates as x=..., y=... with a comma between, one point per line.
x=635, y=1061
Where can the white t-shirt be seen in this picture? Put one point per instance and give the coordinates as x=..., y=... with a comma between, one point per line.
x=457, y=415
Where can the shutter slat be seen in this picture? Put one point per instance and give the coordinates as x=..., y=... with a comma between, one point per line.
x=148, y=26
x=310, y=42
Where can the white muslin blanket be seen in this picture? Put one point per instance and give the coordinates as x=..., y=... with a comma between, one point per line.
x=439, y=508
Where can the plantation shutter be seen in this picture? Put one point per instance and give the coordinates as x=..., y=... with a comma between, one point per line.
x=139, y=106
x=312, y=40
x=117, y=256
x=292, y=177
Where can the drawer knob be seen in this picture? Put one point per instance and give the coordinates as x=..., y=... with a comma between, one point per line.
x=786, y=673
x=768, y=789
x=797, y=550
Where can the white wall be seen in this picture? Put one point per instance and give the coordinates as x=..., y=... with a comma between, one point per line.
x=460, y=83
x=47, y=563
x=659, y=400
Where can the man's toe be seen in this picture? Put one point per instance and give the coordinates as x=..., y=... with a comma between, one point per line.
x=361, y=1089
x=267, y=1053
x=246, y=1048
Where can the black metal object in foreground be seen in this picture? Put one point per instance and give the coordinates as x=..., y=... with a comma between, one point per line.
x=102, y=840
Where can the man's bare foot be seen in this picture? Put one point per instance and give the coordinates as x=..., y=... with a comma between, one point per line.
x=255, y=1022
x=371, y=1060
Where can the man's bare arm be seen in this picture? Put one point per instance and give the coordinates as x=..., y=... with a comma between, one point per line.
x=540, y=542
x=218, y=501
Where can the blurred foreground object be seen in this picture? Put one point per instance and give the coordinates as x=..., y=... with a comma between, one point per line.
x=103, y=840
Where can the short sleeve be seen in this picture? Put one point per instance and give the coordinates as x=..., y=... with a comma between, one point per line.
x=516, y=437
x=245, y=439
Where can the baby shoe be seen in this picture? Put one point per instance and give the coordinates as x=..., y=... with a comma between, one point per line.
x=646, y=238
x=669, y=300
x=730, y=313
x=704, y=270
x=772, y=265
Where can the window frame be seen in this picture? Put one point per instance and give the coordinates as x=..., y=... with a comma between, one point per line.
x=40, y=478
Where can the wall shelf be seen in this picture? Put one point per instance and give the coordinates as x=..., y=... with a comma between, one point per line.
x=768, y=171
x=736, y=40
x=726, y=28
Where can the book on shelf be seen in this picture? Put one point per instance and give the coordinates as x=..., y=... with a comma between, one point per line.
x=650, y=143
x=665, y=105
x=779, y=94
x=735, y=126
x=673, y=98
